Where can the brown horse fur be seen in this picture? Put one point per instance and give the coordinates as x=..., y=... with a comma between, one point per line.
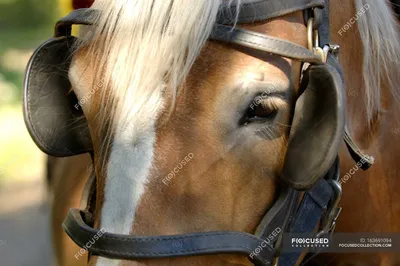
x=225, y=189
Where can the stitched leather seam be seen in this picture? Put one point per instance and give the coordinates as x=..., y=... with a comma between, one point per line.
x=174, y=237
x=172, y=252
x=169, y=252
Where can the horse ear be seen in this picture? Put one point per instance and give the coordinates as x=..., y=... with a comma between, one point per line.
x=317, y=127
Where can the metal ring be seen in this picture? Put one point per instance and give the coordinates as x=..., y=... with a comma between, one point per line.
x=310, y=33
x=316, y=38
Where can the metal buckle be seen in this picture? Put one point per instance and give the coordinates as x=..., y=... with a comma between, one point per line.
x=312, y=35
x=313, y=40
x=314, y=45
x=332, y=49
x=328, y=224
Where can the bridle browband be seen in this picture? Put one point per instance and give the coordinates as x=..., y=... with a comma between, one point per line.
x=292, y=212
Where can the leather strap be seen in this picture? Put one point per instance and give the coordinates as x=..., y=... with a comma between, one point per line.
x=324, y=26
x=313, y=206
x=279, y=214
x=250, y=39
x=263, y=43
x=259, y=10
x=147, y=247
x=83, y=16
x=358, y=156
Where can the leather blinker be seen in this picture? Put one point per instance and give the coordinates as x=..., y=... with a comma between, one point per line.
x=317, y=127
x=52, y=114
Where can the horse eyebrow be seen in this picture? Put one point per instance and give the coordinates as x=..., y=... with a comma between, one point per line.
x=270, y=89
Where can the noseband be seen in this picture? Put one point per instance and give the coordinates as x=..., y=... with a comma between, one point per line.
x=310, y=196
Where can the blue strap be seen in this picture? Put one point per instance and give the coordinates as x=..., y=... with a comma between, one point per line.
x=311, y=209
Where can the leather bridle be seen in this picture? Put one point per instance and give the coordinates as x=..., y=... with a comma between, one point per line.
x=293, y=211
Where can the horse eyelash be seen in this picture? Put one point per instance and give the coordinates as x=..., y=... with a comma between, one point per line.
x=273, y=103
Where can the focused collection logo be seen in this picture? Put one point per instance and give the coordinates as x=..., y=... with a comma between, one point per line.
x=310, y=242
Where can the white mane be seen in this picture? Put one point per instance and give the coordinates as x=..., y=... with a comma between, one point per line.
x=380, y=35
x=142, y=48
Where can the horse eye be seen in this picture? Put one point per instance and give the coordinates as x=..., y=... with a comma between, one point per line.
x=259, y=110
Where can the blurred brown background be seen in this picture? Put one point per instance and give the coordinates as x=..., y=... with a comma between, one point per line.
x=24, y=215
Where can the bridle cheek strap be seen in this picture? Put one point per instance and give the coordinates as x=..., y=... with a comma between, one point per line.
x=147, y=247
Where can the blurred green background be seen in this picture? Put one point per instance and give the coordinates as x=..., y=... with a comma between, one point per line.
x=24, y=24
x=24, y=210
